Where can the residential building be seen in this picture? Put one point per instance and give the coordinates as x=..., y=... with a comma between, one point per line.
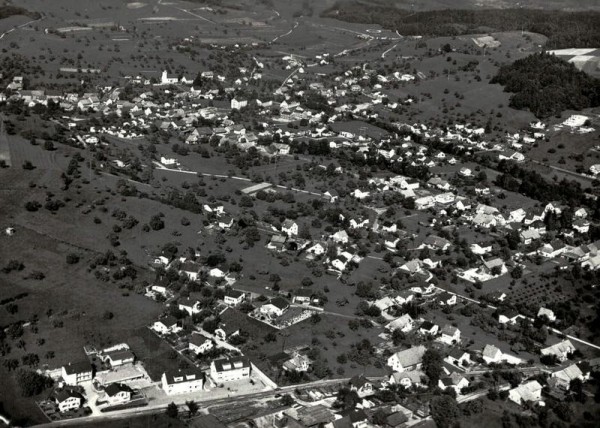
x=409, y=359
x=230, y=369
x=182, y=381
x=76, y=373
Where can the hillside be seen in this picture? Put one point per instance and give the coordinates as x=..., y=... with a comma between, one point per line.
x=563, y=29
x=547, y=85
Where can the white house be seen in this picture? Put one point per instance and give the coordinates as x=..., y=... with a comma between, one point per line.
x=548, y=313
x=67, y=399
x=449, y=335
x=183, y=381
x=455, y=381
x=191, y=306
x=340, y=237
x=76, y=373
x=492, y=354
x=118, y=393
x=407, y=379
x=233, y=297
x=230, y=369
x=238, y=104
x=167, y=325
x=561, y=350
x=362, y=386
x=530, y=391
x=405, y=324
x=275, y=307
x=200, y=344
x=290, y=227
x=409, y=359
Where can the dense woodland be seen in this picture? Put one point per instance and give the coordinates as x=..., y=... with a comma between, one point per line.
x=563, y=29
x=6, y=11
x=548, y=85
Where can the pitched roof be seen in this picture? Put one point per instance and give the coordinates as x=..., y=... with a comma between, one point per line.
x=114, y=388
x=411, y=357
x=279, y=302
x=184, y=375
x=78, y=367
x=234, y=363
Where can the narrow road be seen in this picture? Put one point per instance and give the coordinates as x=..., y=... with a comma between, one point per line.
x=385, y=53
x=19, y=26
x=203, y=404
x=566, y=171
x=286, y=34
x=197, y=16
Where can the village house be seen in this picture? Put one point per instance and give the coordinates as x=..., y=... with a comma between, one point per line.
x=76, y=373
x=275, y=307
x=233, y=297
x=447, y=299
x=450, y=335
x=407, y=379
x=199, y=344
x=118, y=357
x=189, y=305
x=560, y=350
x=277, y=243
x=435, y=243
x=527, y=392
x=67, y=399
x=548, y=313
x=509, y=316
x=362, y=386
x=118, y=393
x=427, y=328
x=290, y=228
x=226, y=331
x=298, y=363
x=562, y=378
x=230, y=369
x=182, y=381
x=492, y=354
x=407, y=360
x=458, y=357
x=167, y=325
x=405, y=324
x=455, y=381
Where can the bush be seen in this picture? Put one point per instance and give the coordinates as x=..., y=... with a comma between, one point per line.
x=72, y=258
x=32, y=383
x=32, y=206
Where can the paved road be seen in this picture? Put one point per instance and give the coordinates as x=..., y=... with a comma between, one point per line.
x=203, y=404
x=566, y=171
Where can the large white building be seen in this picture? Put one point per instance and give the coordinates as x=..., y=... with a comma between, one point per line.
x=230, y=369
x=76, y=373
x=183, y=381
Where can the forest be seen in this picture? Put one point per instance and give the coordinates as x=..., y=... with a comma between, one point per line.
x=548, y=85
x=563, y=29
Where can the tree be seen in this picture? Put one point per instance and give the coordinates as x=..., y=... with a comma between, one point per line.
x=287, y=400
x=48, y=145
x=444, y=411
x=156, y=222
x=432, y=366
x=72, y=258
x=32, y=383
x=192, y=407
x=172, y=410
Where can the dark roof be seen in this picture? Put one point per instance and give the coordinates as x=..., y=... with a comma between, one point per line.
x=427, y=325
x=121, y=354
x=169, y=320
x=359, y=381
x=184, y=375
x=78, y=367
x=198, y=339
x=114, y=388
x=396, y=419
x=234, y=293
x=279, y=302
x=64, y=394
x=226, y=364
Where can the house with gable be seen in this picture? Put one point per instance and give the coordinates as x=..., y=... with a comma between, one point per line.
x=408, y=359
